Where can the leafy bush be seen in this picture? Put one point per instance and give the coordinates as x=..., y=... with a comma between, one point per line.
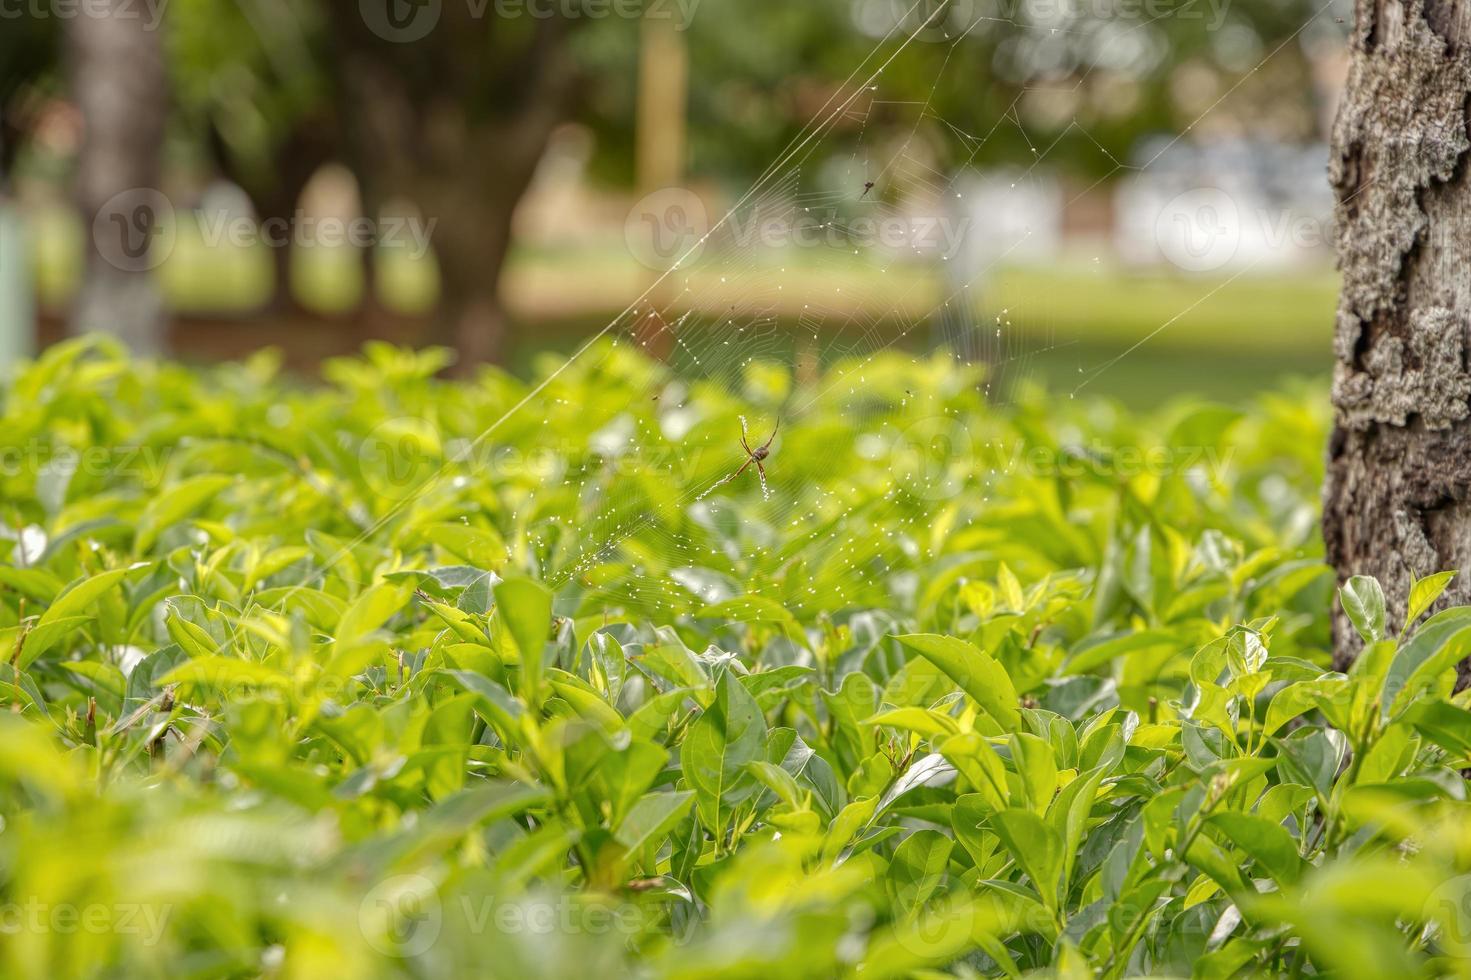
x=310, y=681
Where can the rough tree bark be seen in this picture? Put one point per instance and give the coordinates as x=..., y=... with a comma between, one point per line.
x=456, y=121
x=120, y=85
x=1397, y=499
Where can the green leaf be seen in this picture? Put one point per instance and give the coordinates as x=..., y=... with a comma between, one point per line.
x=983, y=768
x=481, y=547
x=1268, y=843
x=192, y=638
x=977, y=674
x=917, y=870
x=1443, y=723
x=33, y=583
x=651, y=819
x=370, y=610
x=1011, y=589
x=729, y=734
x=226, y=673
x=757, y=609
x=654, y=715
x=1036, y=847
x=71, y=610
x=493, y=702
x=1069, y=816
x=526, y=609
x=587, y=703
x=1301, y=697
x=920, y=720
x=779, y=781
x=1424, y=592
x=1440, y=643
x=1363, y=601
x=175, y=504
x=1037, y=768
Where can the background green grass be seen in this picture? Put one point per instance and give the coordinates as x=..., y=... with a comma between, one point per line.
x=1141, y=336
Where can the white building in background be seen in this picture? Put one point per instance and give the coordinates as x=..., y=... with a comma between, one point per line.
x=1226, y=207
x=1010, y=219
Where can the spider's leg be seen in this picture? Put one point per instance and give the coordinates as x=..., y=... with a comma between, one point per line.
x=745, y=445
x=717, y=485
x=765, y=490
x=773, y=433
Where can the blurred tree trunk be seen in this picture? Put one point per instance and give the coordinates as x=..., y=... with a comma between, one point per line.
x=120, y=86
x=455, y=118
x=1397, y=500
x=28, y=51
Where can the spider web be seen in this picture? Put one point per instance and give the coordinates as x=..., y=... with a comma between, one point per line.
x=836, y=331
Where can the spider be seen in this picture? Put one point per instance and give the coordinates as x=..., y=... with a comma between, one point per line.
x=868, y=186
x=757, y=455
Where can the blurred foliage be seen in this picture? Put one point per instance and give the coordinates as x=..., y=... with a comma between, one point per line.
x=1081, y=81
x=301, y=681
x=989, y=83
x=29, y=51
x=246, y=77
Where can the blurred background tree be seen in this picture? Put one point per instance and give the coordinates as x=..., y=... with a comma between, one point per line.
x=449, y=126
x=119, y=83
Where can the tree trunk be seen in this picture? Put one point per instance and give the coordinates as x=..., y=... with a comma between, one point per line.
x=470, y=245
x=1397, y=499
x=121, y=89
x=454, y=119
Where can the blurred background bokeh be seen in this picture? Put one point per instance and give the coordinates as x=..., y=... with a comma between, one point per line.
x=1132, y=189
